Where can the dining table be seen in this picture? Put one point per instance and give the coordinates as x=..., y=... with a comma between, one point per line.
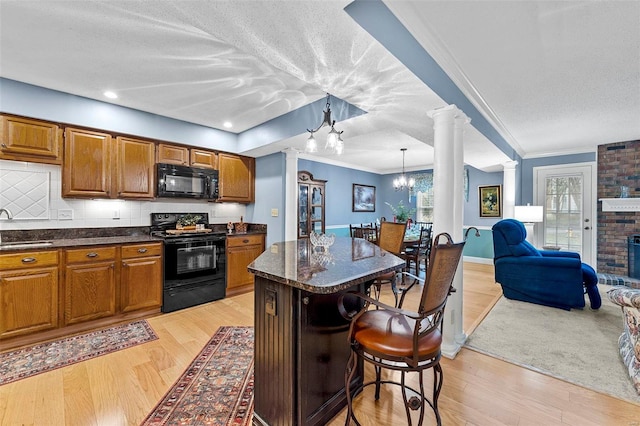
x=411, y=236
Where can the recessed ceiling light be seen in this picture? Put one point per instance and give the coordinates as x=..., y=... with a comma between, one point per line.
x=111, y=95
x=228, y=124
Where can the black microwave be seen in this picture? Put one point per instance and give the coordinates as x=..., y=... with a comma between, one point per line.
x=187, y=182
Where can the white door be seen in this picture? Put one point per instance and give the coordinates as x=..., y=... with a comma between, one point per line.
x=567, y=194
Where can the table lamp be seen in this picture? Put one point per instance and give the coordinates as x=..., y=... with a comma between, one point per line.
x=529, y=215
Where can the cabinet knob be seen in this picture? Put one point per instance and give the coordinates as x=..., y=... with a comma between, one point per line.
x=28, y=260
x=142, y=250
x=4, y=145
x=245, y=241
x=92, y=254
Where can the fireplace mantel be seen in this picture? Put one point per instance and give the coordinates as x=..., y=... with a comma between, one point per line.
x=620, y=204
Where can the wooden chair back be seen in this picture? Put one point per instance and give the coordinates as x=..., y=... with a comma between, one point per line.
x=443, y=264
x=369, y=233
x=391, y=236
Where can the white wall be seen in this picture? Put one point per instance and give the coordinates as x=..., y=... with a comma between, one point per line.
x=100, y=213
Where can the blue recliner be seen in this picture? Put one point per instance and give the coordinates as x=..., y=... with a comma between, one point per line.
x=551, y=278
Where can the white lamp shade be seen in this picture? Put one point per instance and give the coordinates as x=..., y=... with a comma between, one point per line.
x=312, y=146
x=528, y=214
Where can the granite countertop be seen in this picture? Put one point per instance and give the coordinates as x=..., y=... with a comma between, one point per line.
x=76, y=242
x=17, y=240
x=348, y=262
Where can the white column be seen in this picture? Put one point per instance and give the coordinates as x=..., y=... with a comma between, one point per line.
x=291, y=194
x=456, y=330
x=508, y=188
x=448, y=167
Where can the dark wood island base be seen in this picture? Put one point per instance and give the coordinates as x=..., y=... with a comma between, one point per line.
x=301, y=347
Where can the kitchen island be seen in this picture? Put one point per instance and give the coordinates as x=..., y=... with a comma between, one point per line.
x=301, y=347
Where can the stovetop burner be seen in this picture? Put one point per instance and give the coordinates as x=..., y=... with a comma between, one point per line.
x=161, y=223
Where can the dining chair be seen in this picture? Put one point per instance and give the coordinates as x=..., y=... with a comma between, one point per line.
x=422, y=225
x=404, y=340
x=415, y=254
x=369, y=232
x=391, y=239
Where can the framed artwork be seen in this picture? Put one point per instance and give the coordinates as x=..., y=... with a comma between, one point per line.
x=490, y=199
x=363, y=198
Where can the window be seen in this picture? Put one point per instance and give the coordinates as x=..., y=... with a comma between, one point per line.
x=424, y=203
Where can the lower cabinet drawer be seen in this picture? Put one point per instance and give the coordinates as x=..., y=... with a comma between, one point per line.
x=141, y=250
x=92, y=254
x=244, y=240
x=28, y=260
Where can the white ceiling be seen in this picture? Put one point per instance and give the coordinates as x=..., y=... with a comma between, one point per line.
x=551, y=76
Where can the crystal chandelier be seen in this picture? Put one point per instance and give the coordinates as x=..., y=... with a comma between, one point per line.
x=401, y=182
x=334, y=143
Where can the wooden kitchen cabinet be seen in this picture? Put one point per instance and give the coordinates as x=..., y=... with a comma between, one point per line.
x=172, y=154
x=203, y=159
x=135, y=165
x=28, y=293
x=89, y=284
x=183, y=156
x=87, y=168
x=97, y=166
x=242, y=250
x=24, y=139
x=236, y=178
x=141, y=277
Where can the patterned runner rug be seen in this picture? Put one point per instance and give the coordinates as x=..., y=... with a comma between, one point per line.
x=217, y=388
x=32, y=360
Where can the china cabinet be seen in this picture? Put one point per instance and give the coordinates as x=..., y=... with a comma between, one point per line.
x=311, y=197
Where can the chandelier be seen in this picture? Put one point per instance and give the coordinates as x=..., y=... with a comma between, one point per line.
x=401, y=182
x=334, y=143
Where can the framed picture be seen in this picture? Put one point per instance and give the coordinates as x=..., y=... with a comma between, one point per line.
x=364, y=198
x=490, y=199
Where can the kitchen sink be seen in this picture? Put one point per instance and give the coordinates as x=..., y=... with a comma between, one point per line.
x=25, y=244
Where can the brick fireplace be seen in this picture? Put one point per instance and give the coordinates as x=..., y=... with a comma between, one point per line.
x=618, y=165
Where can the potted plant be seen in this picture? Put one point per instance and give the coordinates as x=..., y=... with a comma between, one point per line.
x=401, y=212
x=188, y=221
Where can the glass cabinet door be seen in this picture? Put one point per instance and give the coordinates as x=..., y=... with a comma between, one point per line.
x=303, y=211
x=311, y=196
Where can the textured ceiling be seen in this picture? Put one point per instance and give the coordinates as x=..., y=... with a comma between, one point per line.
x=551, y=76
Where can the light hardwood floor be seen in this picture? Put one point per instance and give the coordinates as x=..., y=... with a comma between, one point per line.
x=121, y=388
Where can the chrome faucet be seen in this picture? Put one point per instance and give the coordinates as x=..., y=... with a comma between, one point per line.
x=9, y=216
x=8, y=212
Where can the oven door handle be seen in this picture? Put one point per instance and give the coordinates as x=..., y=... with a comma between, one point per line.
x=192, y=240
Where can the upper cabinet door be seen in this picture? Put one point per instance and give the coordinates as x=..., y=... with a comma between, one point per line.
x=87, y=169
x=135, y=165
x=204, y=159
x=236, y=178
x=23, y=139
x=172, y=154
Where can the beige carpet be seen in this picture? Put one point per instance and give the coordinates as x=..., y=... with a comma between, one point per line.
x=579, y=346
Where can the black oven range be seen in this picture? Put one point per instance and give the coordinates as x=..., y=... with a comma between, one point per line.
x=194, y=261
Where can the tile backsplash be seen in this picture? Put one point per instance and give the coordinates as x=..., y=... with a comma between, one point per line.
x=25, y=193
x=57, y=212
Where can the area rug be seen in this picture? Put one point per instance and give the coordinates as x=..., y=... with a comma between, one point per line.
x=217, y=388
x=578, y=346
x=26, y=362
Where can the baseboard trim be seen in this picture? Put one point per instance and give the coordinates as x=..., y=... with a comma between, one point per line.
x=482, y=260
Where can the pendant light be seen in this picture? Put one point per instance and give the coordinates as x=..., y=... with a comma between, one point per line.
x=401, y=182
x=334, y=143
